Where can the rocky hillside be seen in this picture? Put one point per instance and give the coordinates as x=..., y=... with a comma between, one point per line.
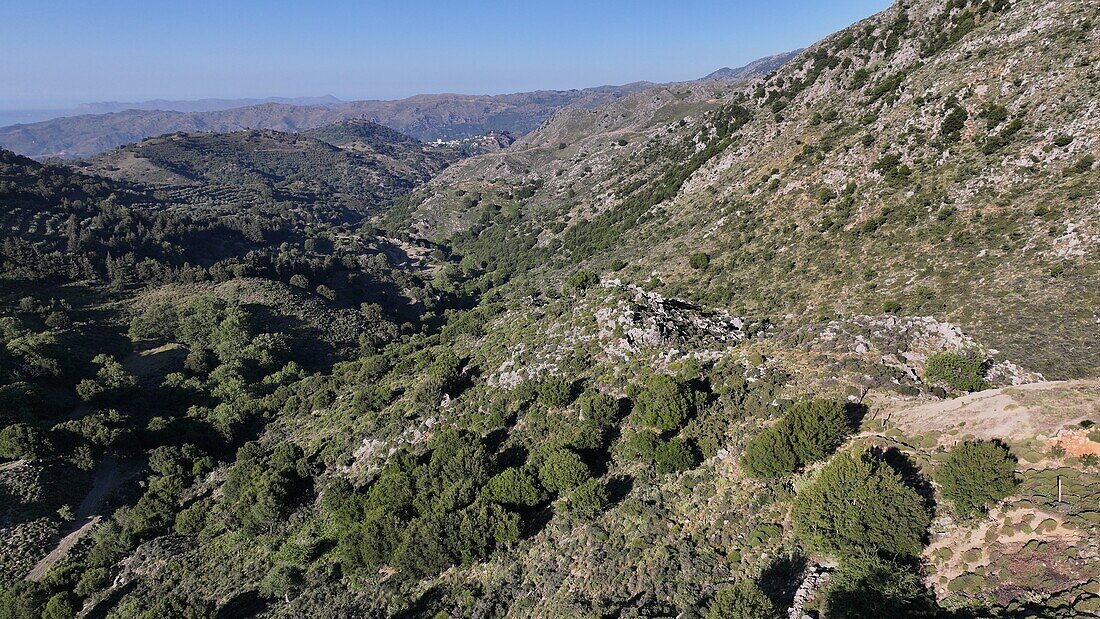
x=934, y=159
x=756, y=68
x=785, y=348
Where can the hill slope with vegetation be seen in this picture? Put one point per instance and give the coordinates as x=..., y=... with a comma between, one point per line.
x=782, y=348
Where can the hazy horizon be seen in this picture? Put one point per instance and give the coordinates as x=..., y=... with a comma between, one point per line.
x=67, y=53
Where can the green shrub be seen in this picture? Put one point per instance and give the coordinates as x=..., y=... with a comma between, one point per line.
x=867, y=586
x=975, y=475
x=581, y=280
x=859, y=505
x=514, y=486
x=61, y=606
x=588, y=499
x=816, y=428
x=22, y=441
x=743, y=600
x=699, y=261
x=675, y=455
x=962, y=373
x=664, y=404
x=561, y=470
x=598, y=409
x=808, y=432
x=555, y=392
x=769, y=454
x=953, y=122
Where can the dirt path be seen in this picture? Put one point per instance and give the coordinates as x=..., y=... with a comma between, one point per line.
x=149, y=366
x=1018, y=412
x=108, y=477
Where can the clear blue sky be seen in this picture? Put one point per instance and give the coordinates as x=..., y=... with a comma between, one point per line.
x=56, y=52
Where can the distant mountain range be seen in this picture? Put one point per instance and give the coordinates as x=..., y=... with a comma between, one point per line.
x=102, y=126
x=13, y=117
x=197, y=105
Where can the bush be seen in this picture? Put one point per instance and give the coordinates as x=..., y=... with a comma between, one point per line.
x=975, y=475
x=743, y=600
x=699, y=261
x=769, y=454
x=61, y=606
x=674, y=455
x=588, y=499
x=810, y=431
x=561, y=470
x=597, y=409
x=817, y=428
x=868, y=586
x=664, y=404
x=555, y=392
x=858, y=505
x=515, y=487
x=962, y=373
x=20, y=441
x=581, y=280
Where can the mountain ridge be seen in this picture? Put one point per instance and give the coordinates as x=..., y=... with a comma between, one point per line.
x=427, y=117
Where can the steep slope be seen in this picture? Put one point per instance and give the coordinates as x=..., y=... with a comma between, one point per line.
x=936, y=158
x=756, y=68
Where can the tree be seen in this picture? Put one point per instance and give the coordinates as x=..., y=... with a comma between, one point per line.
x=817, y=428
x=664, y=404
x=808, y=432
x=743, y=600
x=674, y=455
x=975, y=475
x=597, y=408
x=588, y=499
x=699, y=261
x=581, y=280
x=60, y=606
x=859, y=505
x=563, y=469
x=514, y=486
x=555, y=392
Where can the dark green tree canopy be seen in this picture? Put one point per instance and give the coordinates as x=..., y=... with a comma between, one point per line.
x=664, y=404
x=975, y=475
x=858, y=505
x=742, y=600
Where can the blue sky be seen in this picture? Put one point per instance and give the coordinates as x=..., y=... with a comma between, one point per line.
x=60, y=52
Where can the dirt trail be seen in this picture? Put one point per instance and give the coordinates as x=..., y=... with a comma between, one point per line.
x=146, y=365
x=1017, y=412
x=108, y=476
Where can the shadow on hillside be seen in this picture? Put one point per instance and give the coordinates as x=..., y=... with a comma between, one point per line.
x=247, y=604
x=856, y=412
x=310, y=348
x=910, y=473
x=782, y=578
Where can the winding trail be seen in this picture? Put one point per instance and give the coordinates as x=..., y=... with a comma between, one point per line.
x=111, y=473
x=108, y=476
